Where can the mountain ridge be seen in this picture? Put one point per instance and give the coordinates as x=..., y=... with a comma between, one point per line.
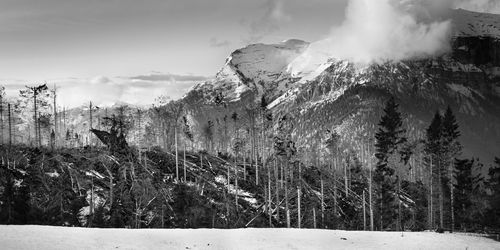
x=348, y=97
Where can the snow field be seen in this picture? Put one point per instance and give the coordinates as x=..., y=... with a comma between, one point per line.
x=49, y=237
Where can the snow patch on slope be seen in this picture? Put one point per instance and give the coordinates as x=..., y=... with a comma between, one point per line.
x=286, y=97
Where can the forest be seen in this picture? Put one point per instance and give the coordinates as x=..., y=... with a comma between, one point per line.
x=158, y=168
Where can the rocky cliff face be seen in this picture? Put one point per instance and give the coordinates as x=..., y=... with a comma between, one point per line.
x=349, y=98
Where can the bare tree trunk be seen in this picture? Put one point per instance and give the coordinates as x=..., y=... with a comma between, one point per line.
x=39, y=131
x=288, y=218
x=64, y=123
x=399, y=204
x=370, y=191
x=276, y=189
x=162, y=217
x=364, y=212
x=226, y=137
x=244, y=167
x=440, y=197
x=282, y=172
x=56, y=131
x=298, y=207
x=322, y=203
x=452, y=198
x=262, y=159
x=286, y=198
x=314, y=218
x=346, y=181
x=269, y=195
x=36, y=120
x=228, y=176
x=176, y=155
x=137, y=213
x=184, y=163
x=10, y=125
x=236, y=180
x=253, y=157
x=431, y=213
x=257, y=165
x=380, y=213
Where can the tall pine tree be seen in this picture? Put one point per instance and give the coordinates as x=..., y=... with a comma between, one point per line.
x=442, y=147
x=390, y=139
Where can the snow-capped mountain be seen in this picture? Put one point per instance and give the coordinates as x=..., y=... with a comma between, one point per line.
x=257, y=67
x=322, y=92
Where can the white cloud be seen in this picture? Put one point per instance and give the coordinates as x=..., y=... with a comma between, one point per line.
x=157, y=76
x=104, y=91
x=384, y=30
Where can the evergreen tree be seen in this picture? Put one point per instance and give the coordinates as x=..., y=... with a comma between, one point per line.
x=434, y=136
x=390, y=139
x=451, y=134
x=442, y=147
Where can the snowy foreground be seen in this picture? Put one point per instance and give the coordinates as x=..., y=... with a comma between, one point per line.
x=46, y=237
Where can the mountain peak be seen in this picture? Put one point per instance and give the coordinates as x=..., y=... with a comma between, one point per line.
x=257, y=67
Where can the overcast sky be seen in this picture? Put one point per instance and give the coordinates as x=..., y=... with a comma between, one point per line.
x=104, y=42
x=133, y=51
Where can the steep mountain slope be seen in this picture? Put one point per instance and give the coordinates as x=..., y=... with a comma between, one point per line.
x=338, y=94
x=351, y=99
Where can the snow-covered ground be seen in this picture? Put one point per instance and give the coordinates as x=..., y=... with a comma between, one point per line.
x=47, y=237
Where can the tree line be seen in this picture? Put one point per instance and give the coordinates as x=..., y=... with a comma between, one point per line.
x=392, y=183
